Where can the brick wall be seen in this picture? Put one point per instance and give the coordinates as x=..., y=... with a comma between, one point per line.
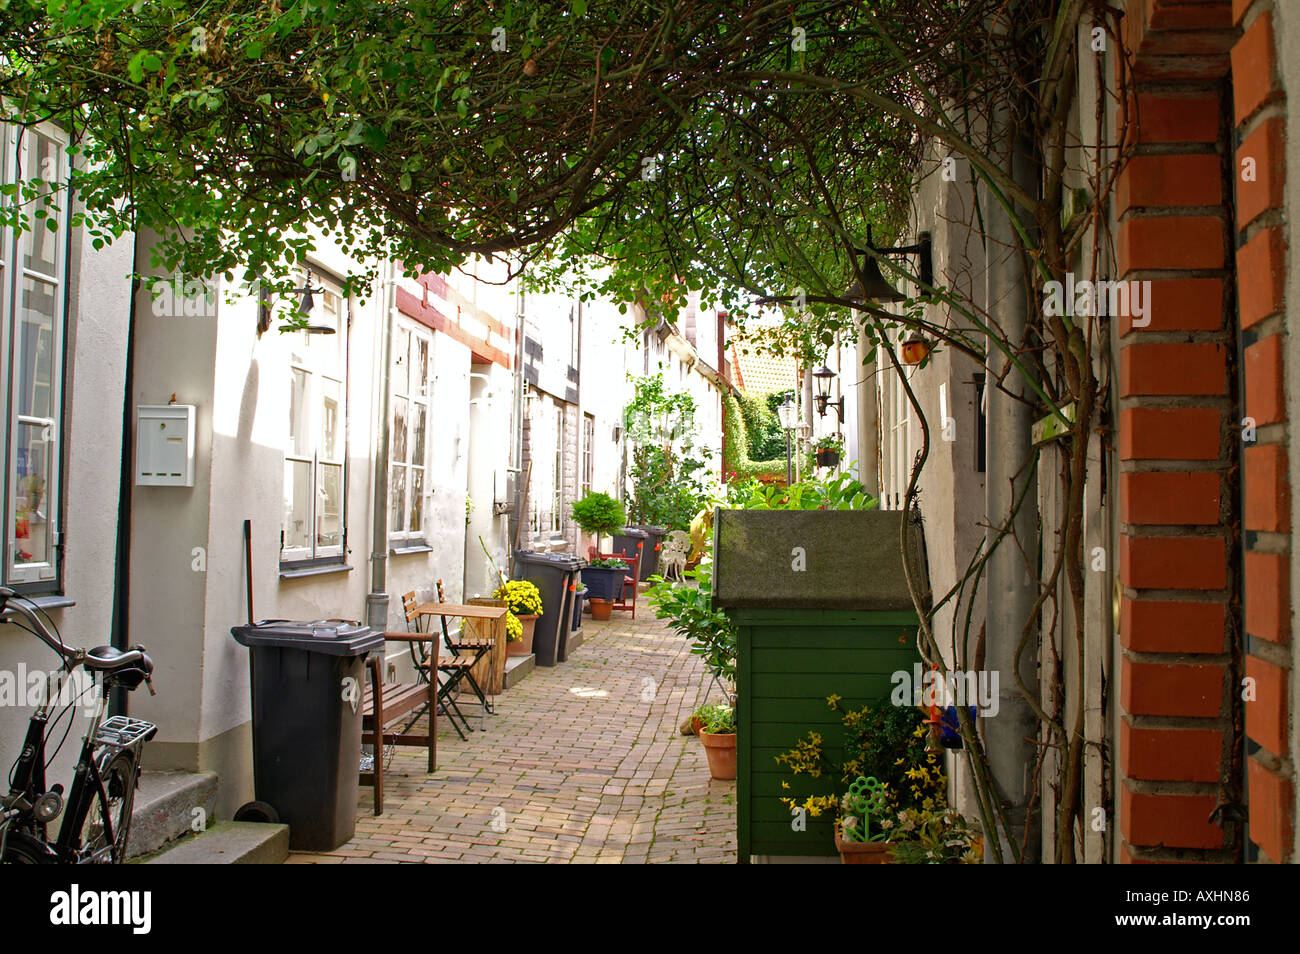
x=1259, y=119
x=1203, y=435
x=1179, y=444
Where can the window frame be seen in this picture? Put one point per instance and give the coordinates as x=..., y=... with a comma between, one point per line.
x=588, y=453
x=44, y=576
x=317, y=372
x=410, y=536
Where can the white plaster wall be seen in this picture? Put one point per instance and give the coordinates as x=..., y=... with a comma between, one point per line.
x=98, y=312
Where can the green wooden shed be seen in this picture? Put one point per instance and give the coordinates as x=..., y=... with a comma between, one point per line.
x=822, y=608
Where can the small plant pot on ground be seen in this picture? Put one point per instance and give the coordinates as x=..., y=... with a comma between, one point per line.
x=524, y=646
x=863, y=852
x=600, y=609
x=720, y=749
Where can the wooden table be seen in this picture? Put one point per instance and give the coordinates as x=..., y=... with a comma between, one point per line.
x=483, y=620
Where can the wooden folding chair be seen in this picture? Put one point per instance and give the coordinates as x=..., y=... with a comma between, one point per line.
x=465, y=652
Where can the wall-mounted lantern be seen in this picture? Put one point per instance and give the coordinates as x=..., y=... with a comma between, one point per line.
x=873, y=287
x=823, y=376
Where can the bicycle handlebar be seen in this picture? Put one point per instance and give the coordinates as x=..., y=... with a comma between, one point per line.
x=11, y=606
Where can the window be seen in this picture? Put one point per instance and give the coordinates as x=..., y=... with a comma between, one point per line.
x=557, y=503
x=315, y=455
x=408, y=441
x=33, y=268
x=545, y=424
x=588, y=447
x=895, y=432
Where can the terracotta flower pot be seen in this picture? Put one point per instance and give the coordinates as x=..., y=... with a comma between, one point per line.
x=863, y=852
x=721, y=751
x=524, y=646
x=600, y=609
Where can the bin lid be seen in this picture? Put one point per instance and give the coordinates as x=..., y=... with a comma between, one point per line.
x=330, y=637
x=635, y=532
x=815, y=559
x=565, y=561
x=654, y=531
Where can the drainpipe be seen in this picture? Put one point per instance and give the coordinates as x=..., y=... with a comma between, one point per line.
x=122, y=563
x=517, y=443
x=1009, y=592
x=377, y=598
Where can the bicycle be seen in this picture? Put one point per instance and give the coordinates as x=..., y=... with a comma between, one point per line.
x=97, y=819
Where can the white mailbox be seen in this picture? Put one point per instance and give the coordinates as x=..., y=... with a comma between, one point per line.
x=164, y=447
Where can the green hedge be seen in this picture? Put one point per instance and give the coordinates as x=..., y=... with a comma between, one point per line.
x=736, y=460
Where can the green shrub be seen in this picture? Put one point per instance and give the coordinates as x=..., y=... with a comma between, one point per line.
x=599, y=513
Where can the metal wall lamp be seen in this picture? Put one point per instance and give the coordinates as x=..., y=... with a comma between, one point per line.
x=823, y=376
x=873, y=287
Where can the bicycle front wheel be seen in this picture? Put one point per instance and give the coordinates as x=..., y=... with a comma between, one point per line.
x=23, y=849
x=117, y=774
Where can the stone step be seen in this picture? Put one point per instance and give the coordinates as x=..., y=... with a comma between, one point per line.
x=164, y=808
x=229, y=843
x=576, y=638
x=517, y=669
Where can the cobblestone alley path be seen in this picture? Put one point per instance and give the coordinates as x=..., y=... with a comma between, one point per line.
x=581, y=763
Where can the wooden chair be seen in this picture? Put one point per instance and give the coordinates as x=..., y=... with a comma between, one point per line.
x=428, y=662
x=629, y=581
x=466, y=649
x=384, y=704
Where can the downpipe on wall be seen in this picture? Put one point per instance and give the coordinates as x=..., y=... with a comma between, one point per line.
x=377, y=598
x=1009, y=589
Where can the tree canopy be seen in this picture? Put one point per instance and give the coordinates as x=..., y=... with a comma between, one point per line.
x=741, y=149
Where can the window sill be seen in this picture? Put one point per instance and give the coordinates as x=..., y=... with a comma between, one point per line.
x=294, y=573
x=50, y=601
x=412, y=548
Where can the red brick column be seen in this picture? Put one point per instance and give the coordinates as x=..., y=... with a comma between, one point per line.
x=1259, y=113
x=1179, y=440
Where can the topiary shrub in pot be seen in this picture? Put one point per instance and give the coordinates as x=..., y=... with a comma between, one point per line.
x=599, y=514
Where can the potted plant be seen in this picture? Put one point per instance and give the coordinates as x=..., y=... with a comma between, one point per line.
x=599, y=514
x=719, y=737
x=604, y=580
x=935, y=836
x=600, y=608
x=523, y=605
x=830, y=450
x=866, y=801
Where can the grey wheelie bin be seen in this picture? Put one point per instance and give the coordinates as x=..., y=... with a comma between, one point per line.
x=554, y=574
x=307, y=686
x=630, y=542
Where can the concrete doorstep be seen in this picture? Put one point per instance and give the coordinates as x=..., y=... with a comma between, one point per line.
x=172, y=824
x=229, y=843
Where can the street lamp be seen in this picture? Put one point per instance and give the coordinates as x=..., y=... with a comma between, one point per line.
x=823, y=376
x=786, y=413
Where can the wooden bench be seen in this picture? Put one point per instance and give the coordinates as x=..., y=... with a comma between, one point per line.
x=386, y=704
